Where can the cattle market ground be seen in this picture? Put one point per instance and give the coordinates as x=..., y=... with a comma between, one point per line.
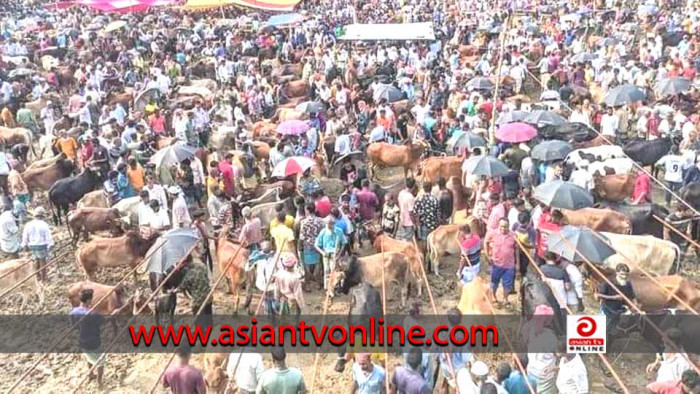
x=137, y=373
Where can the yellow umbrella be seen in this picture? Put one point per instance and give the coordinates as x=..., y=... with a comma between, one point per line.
x=116, y=25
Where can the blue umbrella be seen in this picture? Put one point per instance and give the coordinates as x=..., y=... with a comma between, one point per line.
x=284, y=20
x=177, y=243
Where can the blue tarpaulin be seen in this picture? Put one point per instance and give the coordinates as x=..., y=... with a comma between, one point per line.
x=284, y=19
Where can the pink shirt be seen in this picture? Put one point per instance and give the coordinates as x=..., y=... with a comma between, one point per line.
x=667, y=387
x=406, y=202
x=501, y=248
x=184, y=380
x=498, y=212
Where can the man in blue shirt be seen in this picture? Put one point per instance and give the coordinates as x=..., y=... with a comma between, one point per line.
x=516, y=383
x=329, y=243
x=89, y=340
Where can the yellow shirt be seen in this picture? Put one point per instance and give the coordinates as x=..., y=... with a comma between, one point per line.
x=211, y=182
x=288, y=221
x=283, y=235
x=68, y=146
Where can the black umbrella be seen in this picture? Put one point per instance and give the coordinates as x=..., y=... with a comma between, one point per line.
x=563, y=195
x=389, y=92
x=511, y=117
x=624, y=94
x=579, y=244
x=608, y=42
x=485, y=165
x=177, y=243
x=583, y=57
x=480, y=83
x=543, y=118
x=551, y=150
x=671, y=86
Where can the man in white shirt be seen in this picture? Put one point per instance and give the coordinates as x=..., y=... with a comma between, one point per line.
x=573, y=376
x=180, y=213
x=609, y=123
x=581, y=177
x=420, y=111
x=157, y=217
x=245, y=369
x=342, y=144
x=673, y=171
x=155, y=191
x=574, y=294
x=37, y=238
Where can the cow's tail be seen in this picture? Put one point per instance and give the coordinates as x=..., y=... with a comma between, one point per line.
x=430, y=250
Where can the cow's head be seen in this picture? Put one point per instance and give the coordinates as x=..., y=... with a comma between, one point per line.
x=214, y=375
x=336, y=283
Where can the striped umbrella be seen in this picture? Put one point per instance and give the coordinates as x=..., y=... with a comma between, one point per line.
x=293, y=127
x=292, y=166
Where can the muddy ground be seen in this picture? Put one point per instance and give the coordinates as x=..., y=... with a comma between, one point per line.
x=137, y=373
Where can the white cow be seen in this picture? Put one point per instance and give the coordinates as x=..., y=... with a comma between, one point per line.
x=652, y=254
x=618, y=166
x=596, y=153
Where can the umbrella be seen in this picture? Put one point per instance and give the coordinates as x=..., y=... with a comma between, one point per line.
x=293, y=127
x=20, y=72
x=583, y=57
x=485, y=165
x=551, y=150
x=310, y=107
x=516, y=132
x=608, y=42
x=177, y=243
x=579, y=244
x=116, y=25
x=144, y=97
x=512, y=116
x=480, y=83
x=292, y=166
x=543, y=118
x=564, y=195
x=172, y=154
x=532, y=30
x=389, y=92
x=465, y=140
x=550, y=95
x=671, y=86
x=624, y=94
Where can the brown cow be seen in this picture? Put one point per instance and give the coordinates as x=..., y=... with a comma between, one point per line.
x=460, y=194
x=475, y=298
x=264, y=129
x=234, y=270
x=215, y=371
x=14, y=271
x=91, y=220
x=443, y=240
x=388, y=155
x=107, y=306
x=653, y=299
x=597, y=141
x=17, y=135
x=42, y=178
x=598, y=220
x=468, y=50
x=293, y=89
x=127, y=250
x=434, y=168
x=396, y=267
x=95, y=199
x=45, y=162
x=384, y=243
x=400, y=106
x=205, y=83
x=614, y=188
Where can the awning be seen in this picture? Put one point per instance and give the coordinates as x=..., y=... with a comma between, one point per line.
x=122, y=5
x=282, y=20
x=268, y=5
x=389, y=32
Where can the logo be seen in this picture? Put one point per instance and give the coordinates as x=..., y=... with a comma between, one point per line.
x=585, y=334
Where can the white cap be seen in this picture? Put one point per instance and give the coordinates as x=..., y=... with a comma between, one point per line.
x=174, y=190
x=480, y=368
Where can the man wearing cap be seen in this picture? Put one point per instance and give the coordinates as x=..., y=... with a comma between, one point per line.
x=470, y=380
x=180, y=213
x=9, y=233
x=37, y=238
x=251, y=232
x=368, y=378
x=288, y=291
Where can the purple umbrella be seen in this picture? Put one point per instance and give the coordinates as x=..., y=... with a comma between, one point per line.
x=293, y=127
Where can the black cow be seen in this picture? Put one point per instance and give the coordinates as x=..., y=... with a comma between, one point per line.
x=641, y=216
x=365, y=302
x=686, y=323
x=68, y=191
x=535, y=292
x=691, y=195
x=578, y=132
x=647, y=153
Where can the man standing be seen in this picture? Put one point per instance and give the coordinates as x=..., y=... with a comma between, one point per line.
x=572, y=377
x=309, y=229
x=408, y=219
x=180, y=213
x=368, y=378
x=9, y=233
x=90, y=340
x=245, y=369
x=367, y=201
x=281, y=379
x=609, y=123
x=37, y=238
x=557, y=278
x=263, y=262
x=500, y=248
x=251, y=232
x=183, y=378
x=445, y=200
x=574, y=295
x=329, y=243
x=428, y=210
x=673, y=172
x=195, y=281
x=612, y=302
x=408, y=378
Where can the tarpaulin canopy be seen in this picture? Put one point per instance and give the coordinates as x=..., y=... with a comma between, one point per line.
x=389, y=31
x=268, y=5
x=117, y=5
x=284, y=19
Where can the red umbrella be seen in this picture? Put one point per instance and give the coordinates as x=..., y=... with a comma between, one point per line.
x=292, y=165
x=516, y=132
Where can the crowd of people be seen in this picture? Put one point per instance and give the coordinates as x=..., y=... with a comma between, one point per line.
x=562, y=57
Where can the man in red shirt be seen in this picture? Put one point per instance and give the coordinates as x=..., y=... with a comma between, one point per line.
x=157, y=122
x=500, y=248
x=688, y=384
x=642, y=188
x=550, y=222
x=367, y=201
x=323, y=204
x=182, y=378
x=227, y=174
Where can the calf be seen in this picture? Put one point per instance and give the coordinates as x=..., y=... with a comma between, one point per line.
x=384, y=243
x=14, y=271
x=443, y=240
x=365, y=302
x=68, y=191
x=236, y=277
x=96, y=199
x=127, y=250
x=91, y=220
x=388, y=155
x=368, y=269
x=215, y=365
x=598, y=220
